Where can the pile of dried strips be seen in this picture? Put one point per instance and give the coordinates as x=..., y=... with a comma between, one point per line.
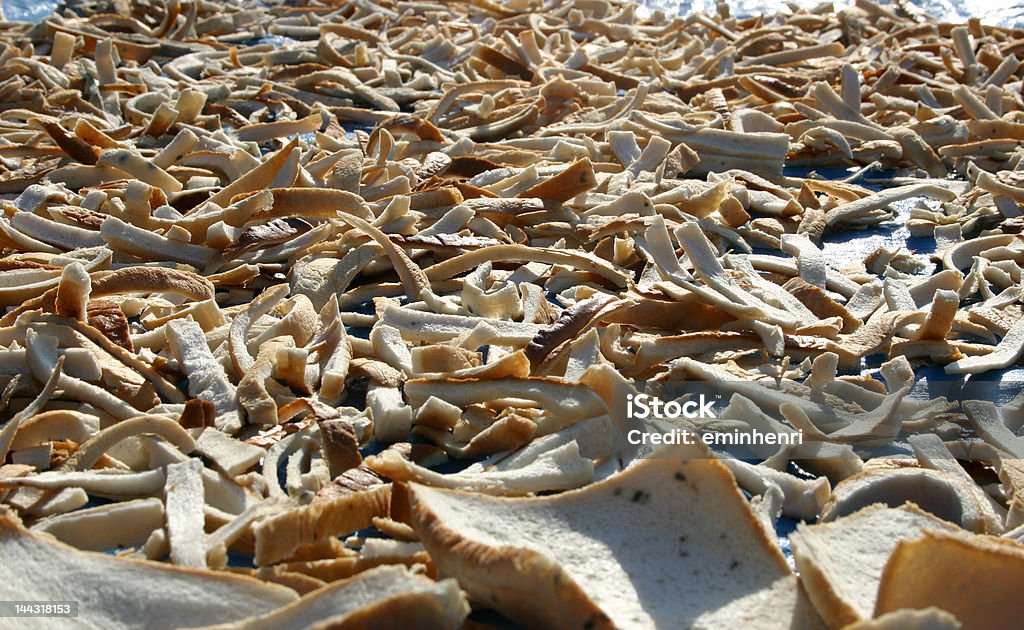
x=240, y=244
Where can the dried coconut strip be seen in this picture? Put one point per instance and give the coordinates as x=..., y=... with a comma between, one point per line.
x=414, y=280
x=98, y=445
x=149, y=246
x=261, y=132
x=515, y=364
x=741, y=263
x=72, y=297
x=710, y=270
x=57, y=424
x=765, y=397
x=42, y=360
x=319, y=203
x=256, y=179
x=623, y=107
x=36, y=294
x=572, y=323
x=76, y=148
x=239, y=332
x=963, y=255
x=138, y=593
x=811, y=260
x=21, y=285
x=389, y=346
x=973, y=105
x=561, y=468
x=655, y=351
x=990, y=426
x=897, y=296
x=940, y=318
x=167, y=390
x=139, y=279
x=878, y=426
x=392, y=418
x=570, y=400
x=1006, y=353
x=253, y=395
x=776, y=264
x=117, y=525
x=660, y=247
x=207, y=379
x=182, y=144
x=790, y=56
x=218, y=542
x=861, y=207
x=110, y=484
x=505, y=127
x=335, y=353
x=427, y=327
x=19, y=240
x=281, y=533
x=921, y=573
x=770, y=147
x=183, y=498
x=830, y=101
x=10, y=430
x=866, y=300
x=523, y=253
x=574, y=180
x=137, y=166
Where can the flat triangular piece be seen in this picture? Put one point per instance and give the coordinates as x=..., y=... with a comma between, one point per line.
x=123, y=593
x=669, y=542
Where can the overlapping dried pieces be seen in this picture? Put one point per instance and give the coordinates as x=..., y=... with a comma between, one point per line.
x=922, y=573
x=485, y=225
x=146, y=593
x=841, y=562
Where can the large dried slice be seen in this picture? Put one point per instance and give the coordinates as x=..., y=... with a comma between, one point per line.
x=976, y=578
x=569, y=400
x=841, y=562
x=135, y=593
x=668, y=542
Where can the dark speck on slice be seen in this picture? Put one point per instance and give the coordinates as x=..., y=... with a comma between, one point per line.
x=641, y=497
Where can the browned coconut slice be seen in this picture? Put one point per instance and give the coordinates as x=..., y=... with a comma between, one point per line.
x=119, y=593
x=348, y=503
x=669, y=542
x=841, y=562
x=382, y=597
x=977, y=578
x=905, y=619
